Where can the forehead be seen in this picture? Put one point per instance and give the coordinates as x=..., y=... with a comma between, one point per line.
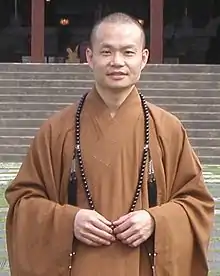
x=118, y=34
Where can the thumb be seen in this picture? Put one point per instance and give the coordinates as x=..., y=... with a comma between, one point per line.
x=121, y=219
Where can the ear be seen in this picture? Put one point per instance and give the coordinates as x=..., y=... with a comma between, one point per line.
x=89, y=56
x=145, y=58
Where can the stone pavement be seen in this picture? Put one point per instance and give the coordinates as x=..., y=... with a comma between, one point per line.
x=212, y=177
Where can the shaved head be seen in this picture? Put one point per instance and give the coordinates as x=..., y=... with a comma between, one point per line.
x=117, y=18
x=117, y=52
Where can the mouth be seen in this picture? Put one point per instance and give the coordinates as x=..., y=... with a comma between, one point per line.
x=116, y=74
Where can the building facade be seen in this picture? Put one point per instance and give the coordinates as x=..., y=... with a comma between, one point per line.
x=38, y=31
x=180, y=31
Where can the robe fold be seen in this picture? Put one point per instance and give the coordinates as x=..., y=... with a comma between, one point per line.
x=40, y=223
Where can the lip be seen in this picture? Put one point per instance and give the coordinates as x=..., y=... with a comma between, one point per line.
x=117, y=76
x=116, y=73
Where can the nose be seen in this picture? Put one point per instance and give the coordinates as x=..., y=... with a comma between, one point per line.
x=117, y=60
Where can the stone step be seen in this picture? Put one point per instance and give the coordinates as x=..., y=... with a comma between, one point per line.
x=194, y=133
x=216, y=196
x=208, y=151
x=67, y=99
x=15, y=98
x=182, y=68
x=20, y=123
x=16, y=157
x=18, y=131
x=205, y=142
x=195, y=116
x=13, y=149
x=190, y=107
x=44, y=114
x=211, y=160
x=15, y=140
x=12, y=157
x=5, y=179
x=202, y=124
x=26, y=140
x=77, y=75
x=89, y=83
x=197, y=133
x=24, y=123
x=215, y=191
x=210, y=173
x=81, y=90
x=34, y=114
x=22, y=149
x=15, y=153
x=16, y=106
x=50, y=90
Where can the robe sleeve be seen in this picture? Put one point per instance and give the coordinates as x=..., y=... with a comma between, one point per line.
x=39, y=230
x=183, y=224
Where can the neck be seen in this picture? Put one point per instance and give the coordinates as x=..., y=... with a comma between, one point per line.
x=113, y=98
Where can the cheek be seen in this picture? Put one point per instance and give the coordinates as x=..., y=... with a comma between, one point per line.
x=100, y=65
x=135, y=64
x=135, y=68
x=99, y=71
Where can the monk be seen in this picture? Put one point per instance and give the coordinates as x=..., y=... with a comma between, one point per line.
x=110, y=185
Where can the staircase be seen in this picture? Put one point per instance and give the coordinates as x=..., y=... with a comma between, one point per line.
x=31, y=93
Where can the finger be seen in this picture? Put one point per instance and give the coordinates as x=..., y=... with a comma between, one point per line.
x=121, y=219
x=104, y=220
x=122, y=227
x=130, y=240
x=127, y=233
x=101, y=234
x=89, y=242
x=95, y=239
x=137, y=242
x=102, y=226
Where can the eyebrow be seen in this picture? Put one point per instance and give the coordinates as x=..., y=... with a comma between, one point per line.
x=106, y=45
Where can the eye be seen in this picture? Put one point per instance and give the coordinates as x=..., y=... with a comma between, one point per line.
x=129, y=53
x=105, y=52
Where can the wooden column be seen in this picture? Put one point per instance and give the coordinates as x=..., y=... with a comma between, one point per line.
x=156, y=31
x=37, y=30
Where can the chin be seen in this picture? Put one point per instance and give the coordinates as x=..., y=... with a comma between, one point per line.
x=119, y=85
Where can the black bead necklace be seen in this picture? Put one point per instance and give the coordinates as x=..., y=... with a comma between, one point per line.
x=78, y=154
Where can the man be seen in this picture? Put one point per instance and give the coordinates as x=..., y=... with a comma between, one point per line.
x=83, y=201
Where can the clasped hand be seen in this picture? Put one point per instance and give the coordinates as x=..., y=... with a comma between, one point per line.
x=132, y=229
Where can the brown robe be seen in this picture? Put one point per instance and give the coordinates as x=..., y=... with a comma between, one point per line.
x=40, y=222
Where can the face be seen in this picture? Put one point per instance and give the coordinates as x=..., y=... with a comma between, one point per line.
x=117, y=56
